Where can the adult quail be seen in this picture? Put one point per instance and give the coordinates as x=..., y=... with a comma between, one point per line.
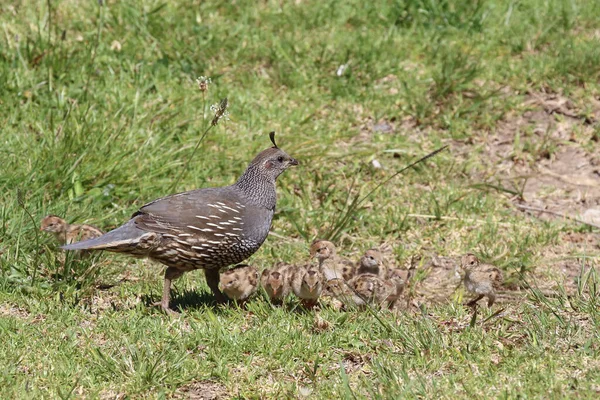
x=483, y=280
x=208, y=229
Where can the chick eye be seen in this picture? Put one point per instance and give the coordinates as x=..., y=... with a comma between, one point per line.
x=280, y=158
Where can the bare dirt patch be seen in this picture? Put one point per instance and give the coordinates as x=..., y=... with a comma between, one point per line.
x=202, y=390
x=545, y=147
x=9, y=310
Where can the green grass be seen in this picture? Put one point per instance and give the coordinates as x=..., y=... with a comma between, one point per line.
x=100, y=114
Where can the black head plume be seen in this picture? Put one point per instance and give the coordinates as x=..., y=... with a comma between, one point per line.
x=272, y=137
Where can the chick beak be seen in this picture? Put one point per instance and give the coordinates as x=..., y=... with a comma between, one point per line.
x=293, y=161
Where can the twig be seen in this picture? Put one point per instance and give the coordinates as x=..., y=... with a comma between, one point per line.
x=557, y=214
x=446, y=218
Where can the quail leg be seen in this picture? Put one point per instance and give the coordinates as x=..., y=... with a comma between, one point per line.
x=170, y=275
x=473, y=302
x=491, y=299
x=212, y=279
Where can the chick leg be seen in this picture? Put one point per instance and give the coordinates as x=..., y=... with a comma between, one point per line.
x=212, y=279
x=491, y=299
x=473, y=302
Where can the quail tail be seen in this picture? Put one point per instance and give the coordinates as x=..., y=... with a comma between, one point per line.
x=117, y=240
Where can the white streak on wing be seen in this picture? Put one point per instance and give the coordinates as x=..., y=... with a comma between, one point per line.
x=232, y=234
x=236, y=229
x=214, y=216
x=213, y=242
x=206, y=230
x=194, y=227
x=184, y=235
x=202, y=217
x=219, y=235
x=232, y=209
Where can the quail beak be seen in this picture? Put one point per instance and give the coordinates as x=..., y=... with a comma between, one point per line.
x=293, y=161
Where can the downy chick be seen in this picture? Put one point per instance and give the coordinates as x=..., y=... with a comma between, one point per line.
x=67, y=234
x=483, y=280
x=370, y=289
x=330, y=263
x=240, y=282
x=307, y=284
x=339, y=289
x=372, y=263
x=276, y=282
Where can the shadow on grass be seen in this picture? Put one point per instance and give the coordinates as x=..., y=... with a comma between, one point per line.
x=188, y=300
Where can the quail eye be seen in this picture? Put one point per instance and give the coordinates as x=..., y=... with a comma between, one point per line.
x=280, y=158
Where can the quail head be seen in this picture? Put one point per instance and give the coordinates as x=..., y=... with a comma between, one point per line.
x=483, y=280
x=276, y=282
x=307, y=284
x=332, y=265
x=372, y=263
x=208, y=229
x=240, y=282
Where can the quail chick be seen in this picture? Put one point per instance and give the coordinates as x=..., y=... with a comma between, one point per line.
x=276, y=282
x=370, y=289
x=307, y=284
x=67, y=234
x=372, y=263
x=240, y=282
x=483, y=280
x=400, y=277
x=340, y=291
x=332, y=265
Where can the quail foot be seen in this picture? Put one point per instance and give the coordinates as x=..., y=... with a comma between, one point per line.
x=332, y=265
x=240, y=282
x=483, y=280
x=276, y=282
x=307, y=284
x=208, y=229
